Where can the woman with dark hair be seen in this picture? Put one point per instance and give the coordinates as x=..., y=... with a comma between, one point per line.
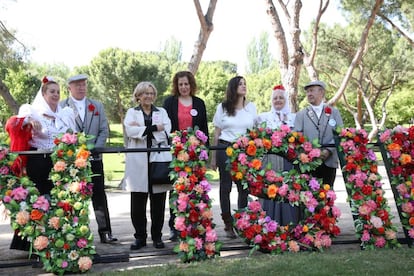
x=232, y=118
x=185, y=110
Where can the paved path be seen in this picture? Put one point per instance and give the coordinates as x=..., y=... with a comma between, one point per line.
x=119, y=257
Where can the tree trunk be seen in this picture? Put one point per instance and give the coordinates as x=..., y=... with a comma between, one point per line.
x=8, y=98
x=206, y=22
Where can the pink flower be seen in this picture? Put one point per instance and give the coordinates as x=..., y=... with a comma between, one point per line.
x=54, y=222
x=211, y=235
x=380, y=241
x=336, y=212
x=365, y=236
x=19, y=193
x=64, y=264
x=411, y=233
x=84, y=263
x=69, y=138
x=82, y=242
x=81, y=163
x=22, y=217
x=255, y=206
x=407, y=207
x=179, y=223
x=198, y=243
x=283, y=190
x=42, y=203
x=376, y=222
x=4, y=170
x=293, y=246
x=59, y=166
x=258, y=238
x=40, y=243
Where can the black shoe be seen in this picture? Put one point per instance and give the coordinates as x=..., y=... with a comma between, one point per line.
x=158, y=244
x=107, y=238
x=138, y=244
x=173, y=235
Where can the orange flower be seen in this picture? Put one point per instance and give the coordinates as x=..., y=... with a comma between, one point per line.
x=304, y=158
x=405, y=159
x=374, y=168
x=305, y=228
x=411, y=221
x=238, y=176
x=393, y=146
x=272, y=191
x=322, y=195
x=256, y=164
x=267, y=144
x=253, y=134
x=184, y=247
x=251, y=150
x=291, y=139
x=82, y=153
x=36, y=214
x=187, y=169
x=326, y=187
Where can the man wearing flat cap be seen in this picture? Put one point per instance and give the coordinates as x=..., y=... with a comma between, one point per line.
x=91, y=120
x=317, y=121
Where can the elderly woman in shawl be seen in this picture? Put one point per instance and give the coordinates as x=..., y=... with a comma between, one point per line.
x=279, y=115
x=35, y=128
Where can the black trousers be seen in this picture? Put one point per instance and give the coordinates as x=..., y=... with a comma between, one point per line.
x=139, y=214
x=327, y=174
x=38, y=168
x=99, y=199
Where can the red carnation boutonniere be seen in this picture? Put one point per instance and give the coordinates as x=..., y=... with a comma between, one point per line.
x=328, y=111
x=91, y=108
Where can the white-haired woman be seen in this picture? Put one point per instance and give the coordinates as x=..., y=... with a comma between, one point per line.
x=279, y=115
x=145, y=126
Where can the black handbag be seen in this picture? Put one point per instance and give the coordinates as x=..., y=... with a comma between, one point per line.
x=160, y=170
x=159, y=173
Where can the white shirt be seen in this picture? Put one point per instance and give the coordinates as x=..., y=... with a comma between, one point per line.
x=234, y=126
x=318, y=109
x=80, y=107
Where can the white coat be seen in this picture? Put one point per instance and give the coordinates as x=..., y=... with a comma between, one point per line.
x=136, y=163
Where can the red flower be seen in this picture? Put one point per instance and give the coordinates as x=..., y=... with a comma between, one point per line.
x=45, y=80
x=91, y=107
x=328, y=111
x=279, y=87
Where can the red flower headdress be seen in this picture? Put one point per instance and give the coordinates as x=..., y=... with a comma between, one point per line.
x=278, y=87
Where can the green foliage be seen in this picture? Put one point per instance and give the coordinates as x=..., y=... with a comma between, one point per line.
x=258, y=54
x=401, y=107
x=259, y=88
x=212, y=78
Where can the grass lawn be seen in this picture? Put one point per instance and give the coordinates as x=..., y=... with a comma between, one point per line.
x=341, y=262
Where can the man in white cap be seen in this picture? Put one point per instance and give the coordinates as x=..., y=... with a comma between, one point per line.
x=317, y=121
x=91, y=119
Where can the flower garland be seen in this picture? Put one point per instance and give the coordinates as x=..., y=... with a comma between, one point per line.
x=373, y=225
x=190, y=200
x=399, y=143
x=57, y=228
x=295, y=187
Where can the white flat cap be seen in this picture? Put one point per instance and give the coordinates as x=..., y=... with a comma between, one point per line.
x=315, y=83
x=77, y=78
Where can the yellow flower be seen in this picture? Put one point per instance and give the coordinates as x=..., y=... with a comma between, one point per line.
x=238, y=175
x=305, y=228
x=326, y=187
x=229, y=151
x=291, y=139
